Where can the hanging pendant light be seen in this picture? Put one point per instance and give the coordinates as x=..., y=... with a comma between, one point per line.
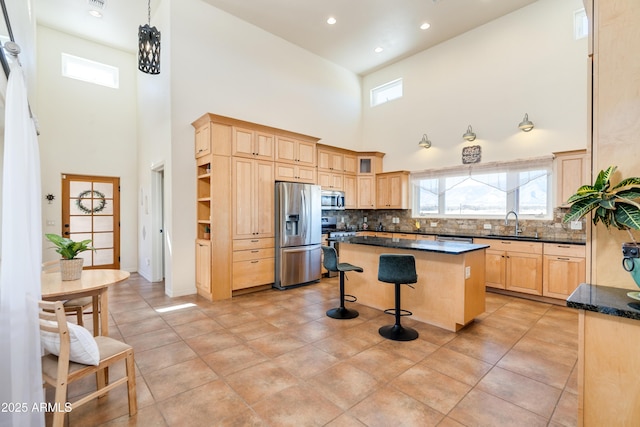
x=148, y=47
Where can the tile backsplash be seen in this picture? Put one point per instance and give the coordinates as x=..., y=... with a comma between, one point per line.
x=553, y=229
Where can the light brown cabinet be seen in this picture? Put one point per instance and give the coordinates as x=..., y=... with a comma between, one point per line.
x=252, y=198
x=292, y=150
x=331, y=160
x=392, y=190
x=253, y=262
x=369, y=163
x=203, y=141
x=564, y=269
x=253, y=144
x=350, y=163
x=330, y=180
x=366, y=192
x=350, y=187
x=513, y=265
x=570, y=171
x=295, y=173
x=203, y=266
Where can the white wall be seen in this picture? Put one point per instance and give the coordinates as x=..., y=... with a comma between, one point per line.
x=87, y=129
x=524, y=62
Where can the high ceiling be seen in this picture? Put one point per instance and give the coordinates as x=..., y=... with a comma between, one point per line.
x=362, y=25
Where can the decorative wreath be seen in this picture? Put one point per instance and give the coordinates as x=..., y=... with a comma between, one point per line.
x=91, y=194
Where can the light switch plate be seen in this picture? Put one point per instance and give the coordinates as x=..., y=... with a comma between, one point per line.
x=434, y=224
x=487, y=226
x=467, y=272
x=576, y=225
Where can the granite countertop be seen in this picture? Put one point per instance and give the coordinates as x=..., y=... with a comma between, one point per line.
x=606, y=300
x=492, y=236
x=454, y=248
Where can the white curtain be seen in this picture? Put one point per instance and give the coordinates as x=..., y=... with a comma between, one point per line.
x=21, y=259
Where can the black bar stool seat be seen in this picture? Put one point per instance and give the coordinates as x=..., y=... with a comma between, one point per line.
x=331, y=263
x=399, y=270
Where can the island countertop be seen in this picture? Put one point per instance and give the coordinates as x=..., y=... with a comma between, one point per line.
x=452, y=248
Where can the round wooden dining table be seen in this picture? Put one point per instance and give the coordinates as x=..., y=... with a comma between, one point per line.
x=93, y=283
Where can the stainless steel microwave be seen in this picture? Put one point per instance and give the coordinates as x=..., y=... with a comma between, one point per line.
x=332, y=200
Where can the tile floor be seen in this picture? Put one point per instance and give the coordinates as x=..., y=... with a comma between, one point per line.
x=273, y=358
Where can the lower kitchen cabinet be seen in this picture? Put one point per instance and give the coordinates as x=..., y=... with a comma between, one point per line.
x=203, y=266
x=563, y=270
x=513, y=265
x=253, y=263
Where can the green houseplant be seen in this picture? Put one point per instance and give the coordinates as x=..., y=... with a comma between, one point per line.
x=70, y=265
x=616, y=206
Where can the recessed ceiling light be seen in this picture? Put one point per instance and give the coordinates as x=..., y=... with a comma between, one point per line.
x=95, y=13
x=331, y=20
x=425, y=25
x=378, y=49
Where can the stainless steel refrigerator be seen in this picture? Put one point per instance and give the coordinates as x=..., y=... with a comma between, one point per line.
x=298, y=233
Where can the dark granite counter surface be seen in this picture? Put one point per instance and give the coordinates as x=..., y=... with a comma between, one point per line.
x=454, y=248
x=606, y=300
x=492, y=236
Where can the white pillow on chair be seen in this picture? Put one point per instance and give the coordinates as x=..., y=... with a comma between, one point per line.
x=83, y=347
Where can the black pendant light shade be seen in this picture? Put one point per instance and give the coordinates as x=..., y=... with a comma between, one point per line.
x=148, y=46
x=148, y=49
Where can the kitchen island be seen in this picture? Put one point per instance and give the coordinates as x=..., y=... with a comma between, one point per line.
x=450, y=291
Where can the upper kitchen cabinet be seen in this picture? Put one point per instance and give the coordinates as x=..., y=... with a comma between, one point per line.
x=370, y=163
x=253, y=144
x=294, y=150
x=330, y=159
x=570, y=171
x=203, y=140
x=350, y=164
x=392, y=190
x=211, y=137
x=366, y=192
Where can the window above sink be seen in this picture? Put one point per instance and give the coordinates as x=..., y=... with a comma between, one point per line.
x=485, y=191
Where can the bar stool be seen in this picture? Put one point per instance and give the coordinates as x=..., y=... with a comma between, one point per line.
x=331, y=263
x=399, y=270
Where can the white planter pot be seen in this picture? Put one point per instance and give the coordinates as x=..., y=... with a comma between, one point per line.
x=71, y=269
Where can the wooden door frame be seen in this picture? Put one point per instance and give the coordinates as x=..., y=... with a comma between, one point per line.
x=116, y=210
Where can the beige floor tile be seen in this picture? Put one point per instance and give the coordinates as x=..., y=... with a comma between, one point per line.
x=566, y=413
x=529, y=394
x=260, y=381
x=178, y=378
x=382, y=364
x=295, y=406
x=208, y=343
x=206, y=405
x=153, y=339
x=457, y=365
x=482, y=409
x=162, y=357
x=390, y=407
x=306, y=361
x=432, y=388
x=274, y=345
x=344, y=384
x=233, y=359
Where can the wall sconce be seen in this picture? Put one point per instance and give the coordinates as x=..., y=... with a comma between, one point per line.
x=525, y=125
x=469, y=135
x=424, y=142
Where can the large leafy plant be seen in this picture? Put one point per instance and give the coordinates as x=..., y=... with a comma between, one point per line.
x=617, y=206
x=67, y=248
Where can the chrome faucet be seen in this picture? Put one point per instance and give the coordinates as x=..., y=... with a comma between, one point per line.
x=506, y=221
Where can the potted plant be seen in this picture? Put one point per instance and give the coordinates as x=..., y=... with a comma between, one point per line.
x=70, y=266
x=614, y=206
x=207, y=232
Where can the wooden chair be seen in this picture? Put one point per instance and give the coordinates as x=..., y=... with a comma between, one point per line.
x=58, y=371
x=76, y=306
